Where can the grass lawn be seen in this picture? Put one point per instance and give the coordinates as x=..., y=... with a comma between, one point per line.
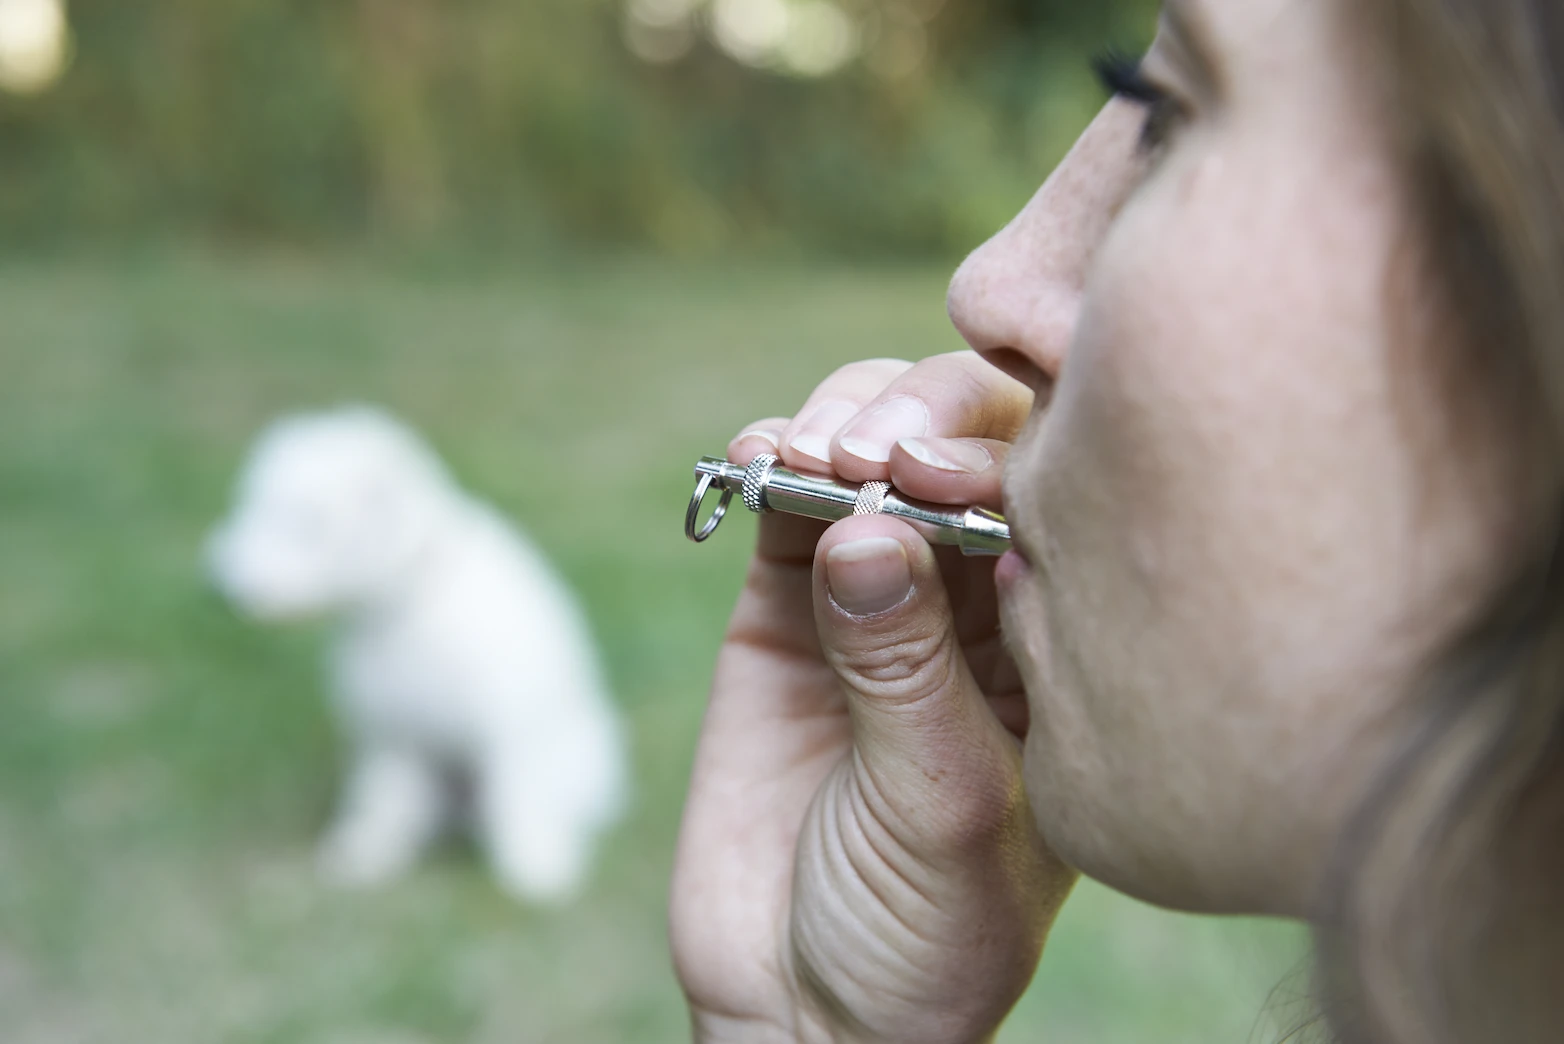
x=164, y=767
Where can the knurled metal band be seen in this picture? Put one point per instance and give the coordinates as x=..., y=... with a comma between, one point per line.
x=871, y=498
x=755, y=478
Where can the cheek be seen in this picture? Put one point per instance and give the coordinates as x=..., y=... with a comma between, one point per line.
x=1227, y=502
x=1238, y=393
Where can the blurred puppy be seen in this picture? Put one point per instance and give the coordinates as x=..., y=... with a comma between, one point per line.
x=462, y=655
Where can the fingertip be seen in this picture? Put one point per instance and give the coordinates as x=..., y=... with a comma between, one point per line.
x=869, y=575
x=759, y=438
x=954, y=456
x=858, y=529
x=806, y=443
x=951, y=471
x=863, y=448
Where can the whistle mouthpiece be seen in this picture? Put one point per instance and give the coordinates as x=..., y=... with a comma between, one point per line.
x=766, y=486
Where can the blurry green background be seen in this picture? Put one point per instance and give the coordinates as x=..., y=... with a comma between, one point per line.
x=566, y=239
x=864, y=128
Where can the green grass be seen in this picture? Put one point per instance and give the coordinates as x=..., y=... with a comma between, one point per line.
x=164, y=766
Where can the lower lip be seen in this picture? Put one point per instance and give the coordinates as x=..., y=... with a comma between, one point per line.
x=1011, y=570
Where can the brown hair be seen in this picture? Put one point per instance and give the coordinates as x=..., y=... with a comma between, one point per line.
x=1445, y=917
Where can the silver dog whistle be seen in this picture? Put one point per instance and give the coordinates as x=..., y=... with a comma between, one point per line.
x=764, y=486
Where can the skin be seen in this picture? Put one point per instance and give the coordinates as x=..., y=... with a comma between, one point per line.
x=1207, y=388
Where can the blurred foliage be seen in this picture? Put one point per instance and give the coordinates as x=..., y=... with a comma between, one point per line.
x=528, y=122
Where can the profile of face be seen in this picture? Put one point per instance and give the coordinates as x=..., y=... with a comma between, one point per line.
x=1246, y=514
x=330, y=509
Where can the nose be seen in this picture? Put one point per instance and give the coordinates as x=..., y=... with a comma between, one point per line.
x=1017, y=298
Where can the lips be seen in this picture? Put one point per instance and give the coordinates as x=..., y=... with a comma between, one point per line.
x=1013, y=518
x=1015, y=564
x=1011, y=571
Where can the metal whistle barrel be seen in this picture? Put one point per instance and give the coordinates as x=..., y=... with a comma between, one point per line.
x=771, y=487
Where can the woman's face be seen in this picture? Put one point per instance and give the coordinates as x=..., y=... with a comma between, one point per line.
x=1245, y=514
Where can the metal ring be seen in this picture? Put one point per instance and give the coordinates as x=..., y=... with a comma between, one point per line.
x=755, y=478
x=871, y=498
x=702, y=488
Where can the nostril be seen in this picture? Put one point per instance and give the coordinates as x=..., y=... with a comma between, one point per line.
x=1014, y=363
x=1016, y=309
x=991, y=305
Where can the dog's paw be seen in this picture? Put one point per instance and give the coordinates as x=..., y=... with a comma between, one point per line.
x=541, y=871
x=359, y=862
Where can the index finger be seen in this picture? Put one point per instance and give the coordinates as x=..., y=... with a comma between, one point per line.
x=955, y=396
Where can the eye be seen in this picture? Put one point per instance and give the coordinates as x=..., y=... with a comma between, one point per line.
x=1122, y=76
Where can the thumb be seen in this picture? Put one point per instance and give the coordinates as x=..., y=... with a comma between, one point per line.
x=923, y=733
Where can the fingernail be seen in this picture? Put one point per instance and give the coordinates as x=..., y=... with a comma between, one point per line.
x=948, y=455
x=868, y=576
x=814, y=438
x=871, y=439
x=768, y=434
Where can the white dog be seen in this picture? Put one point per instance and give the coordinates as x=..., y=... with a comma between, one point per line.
x=463, y=657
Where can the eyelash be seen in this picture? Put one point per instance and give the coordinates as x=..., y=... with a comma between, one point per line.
x=1122, y=77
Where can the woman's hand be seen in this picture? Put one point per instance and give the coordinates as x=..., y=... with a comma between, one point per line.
x=857, y=859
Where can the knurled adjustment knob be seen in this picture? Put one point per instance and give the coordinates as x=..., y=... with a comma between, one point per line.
x=755, y=478
x=871, y=498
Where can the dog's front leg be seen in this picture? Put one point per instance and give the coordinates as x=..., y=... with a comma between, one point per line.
x=392, y=806
x=531, y=820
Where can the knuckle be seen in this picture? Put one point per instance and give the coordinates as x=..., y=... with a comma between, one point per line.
x=981, y=812
x=905, y=670
x=991, y=403
x=958, y=377
x=960, y=389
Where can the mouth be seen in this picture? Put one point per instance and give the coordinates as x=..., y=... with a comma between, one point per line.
x=1016, y=564
x=1012, y=512
x=1011, y=570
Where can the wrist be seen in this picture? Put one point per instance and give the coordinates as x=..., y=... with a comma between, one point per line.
x=828, y=1018
x=711, y=1028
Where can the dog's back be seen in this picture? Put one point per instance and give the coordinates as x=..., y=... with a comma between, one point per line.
x=485, y=645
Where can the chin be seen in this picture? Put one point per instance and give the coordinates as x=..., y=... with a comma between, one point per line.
x=1068, y=826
